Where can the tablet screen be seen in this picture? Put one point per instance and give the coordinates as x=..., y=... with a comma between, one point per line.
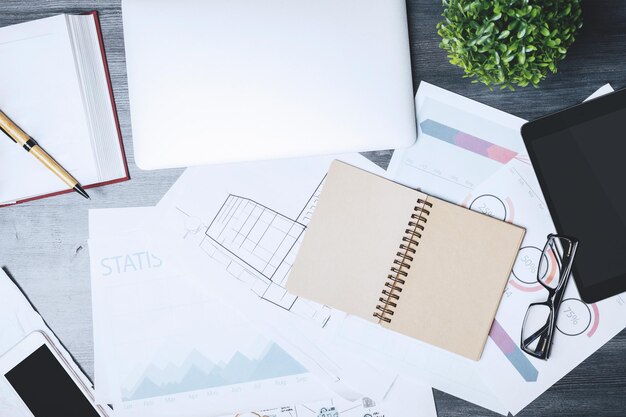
x=582, y=170
x=47, y=389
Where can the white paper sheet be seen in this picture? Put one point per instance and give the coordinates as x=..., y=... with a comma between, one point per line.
x=460, y=144
x=403, y=399
x=417, y=360
x=239, y=226
x=164, y=349
x=19, y=319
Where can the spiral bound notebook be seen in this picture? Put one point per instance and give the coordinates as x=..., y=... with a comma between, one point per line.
x=406, y=260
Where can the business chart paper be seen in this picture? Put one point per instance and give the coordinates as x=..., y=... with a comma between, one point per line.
x=164, y=349
x=460, y=144
x=403, y=396
x=514, y=195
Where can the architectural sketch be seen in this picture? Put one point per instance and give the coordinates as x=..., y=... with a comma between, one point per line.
x=258, y=245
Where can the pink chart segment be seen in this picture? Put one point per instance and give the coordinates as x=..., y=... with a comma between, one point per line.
x=513, y=353
x=467, y=141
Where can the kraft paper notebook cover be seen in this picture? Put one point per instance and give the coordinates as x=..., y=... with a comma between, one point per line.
x=411, y=262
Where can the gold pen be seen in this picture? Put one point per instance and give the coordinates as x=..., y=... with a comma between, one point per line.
x=21, y=138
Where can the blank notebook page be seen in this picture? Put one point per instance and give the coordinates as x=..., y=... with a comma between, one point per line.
x=452, y=278
x=352, y=240
x=43, y=91
x=457, y=278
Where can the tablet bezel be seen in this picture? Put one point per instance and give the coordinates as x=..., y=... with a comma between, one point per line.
x=556, y=122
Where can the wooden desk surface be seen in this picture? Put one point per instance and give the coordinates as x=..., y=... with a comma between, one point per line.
x=43, y=244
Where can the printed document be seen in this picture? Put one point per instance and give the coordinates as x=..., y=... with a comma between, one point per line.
x=513, y=194
x=166, y=349
x=404, y=399
x=112, y=228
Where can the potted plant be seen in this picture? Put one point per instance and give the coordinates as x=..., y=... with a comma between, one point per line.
x=508, y=42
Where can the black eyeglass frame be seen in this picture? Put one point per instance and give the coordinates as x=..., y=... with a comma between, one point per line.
x=555, y=297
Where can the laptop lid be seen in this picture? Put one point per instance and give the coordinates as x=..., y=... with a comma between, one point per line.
x=214, y=81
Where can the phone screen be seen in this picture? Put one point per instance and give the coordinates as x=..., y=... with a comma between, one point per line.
x=47, y=389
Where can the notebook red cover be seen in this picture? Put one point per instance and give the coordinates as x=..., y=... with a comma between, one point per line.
x=117, y=124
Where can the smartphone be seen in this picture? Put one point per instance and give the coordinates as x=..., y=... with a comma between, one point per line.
x=43, y=381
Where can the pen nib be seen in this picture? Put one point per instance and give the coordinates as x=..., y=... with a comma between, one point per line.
x=81, y=191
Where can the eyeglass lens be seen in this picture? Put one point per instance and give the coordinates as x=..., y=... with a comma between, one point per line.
x=555, y=254
x=537, y=327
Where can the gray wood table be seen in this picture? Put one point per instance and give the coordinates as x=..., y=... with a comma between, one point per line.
x=43, y=244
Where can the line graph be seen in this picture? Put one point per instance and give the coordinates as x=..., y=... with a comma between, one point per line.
x=197, y=372
x=168, y=343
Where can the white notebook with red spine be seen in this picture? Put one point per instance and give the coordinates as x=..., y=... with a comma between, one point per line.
x=55, y=85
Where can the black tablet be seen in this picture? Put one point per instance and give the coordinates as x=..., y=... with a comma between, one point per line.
x=579, y=155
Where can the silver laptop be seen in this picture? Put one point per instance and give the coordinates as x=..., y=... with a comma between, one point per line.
x=214, y=81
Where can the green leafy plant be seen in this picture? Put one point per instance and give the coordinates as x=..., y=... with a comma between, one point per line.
x=508, y=42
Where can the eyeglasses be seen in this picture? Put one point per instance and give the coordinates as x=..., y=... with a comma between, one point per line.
x=553, y=274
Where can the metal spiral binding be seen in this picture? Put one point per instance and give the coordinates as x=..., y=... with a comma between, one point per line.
x=402, y=262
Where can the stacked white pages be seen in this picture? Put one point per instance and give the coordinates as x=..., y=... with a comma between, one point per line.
x=174, y=344
x=201, y=313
